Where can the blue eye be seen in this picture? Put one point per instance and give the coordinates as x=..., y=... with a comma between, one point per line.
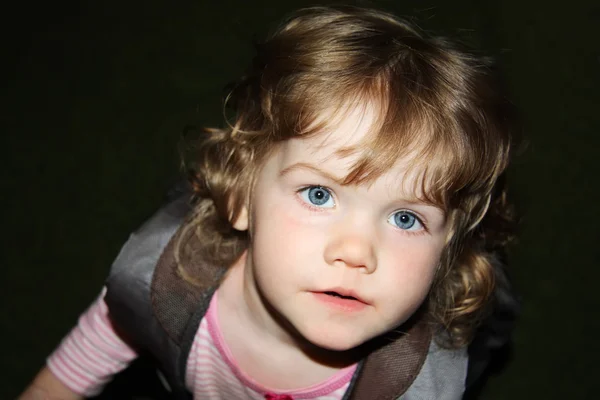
x=405, y=220
x=317, y=196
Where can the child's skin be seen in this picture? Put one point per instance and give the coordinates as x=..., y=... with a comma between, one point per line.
x=373, y=240
x=311, y=234
x=46, y=386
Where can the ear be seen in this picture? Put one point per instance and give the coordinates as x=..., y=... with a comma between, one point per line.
x=241, y=222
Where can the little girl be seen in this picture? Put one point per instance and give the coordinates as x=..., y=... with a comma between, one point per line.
x=337, y=241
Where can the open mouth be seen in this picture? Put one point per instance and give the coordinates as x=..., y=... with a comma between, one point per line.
x=341, y=300
x=335, y=294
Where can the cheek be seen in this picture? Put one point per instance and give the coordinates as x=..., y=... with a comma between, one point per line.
x=275, y=221
x=282, y=236
x=412, y=270
x=420, y=265
x=281, y=217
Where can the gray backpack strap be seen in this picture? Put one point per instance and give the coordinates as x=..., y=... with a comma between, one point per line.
x=128, y=293
x=151, y=304
x=410, y=366
x=442, y=376
x=392, y=367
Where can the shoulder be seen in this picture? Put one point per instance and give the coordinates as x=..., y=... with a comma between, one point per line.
x=145, y=245
x=128, y=285
x=135, y=309
x=442, y=376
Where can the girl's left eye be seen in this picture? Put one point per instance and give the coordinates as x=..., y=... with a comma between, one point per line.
x=405, y=220
x=317, y=196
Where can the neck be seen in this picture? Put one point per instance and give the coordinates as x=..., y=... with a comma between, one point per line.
x=251, y=309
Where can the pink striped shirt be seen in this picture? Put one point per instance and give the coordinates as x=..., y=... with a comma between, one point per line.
x=92, y=353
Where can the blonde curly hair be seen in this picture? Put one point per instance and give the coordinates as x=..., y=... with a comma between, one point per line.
x=439, y=107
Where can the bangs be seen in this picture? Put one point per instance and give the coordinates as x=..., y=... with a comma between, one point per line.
x=441, y=153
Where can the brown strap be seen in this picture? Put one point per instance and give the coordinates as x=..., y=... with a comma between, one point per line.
x=390, y=370
x=175, y=299
x=179, y=305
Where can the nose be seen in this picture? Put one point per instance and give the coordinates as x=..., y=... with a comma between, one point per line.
x=352, y=247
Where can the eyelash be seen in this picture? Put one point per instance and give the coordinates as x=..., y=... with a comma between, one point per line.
x=313, y=207
x=419, y=220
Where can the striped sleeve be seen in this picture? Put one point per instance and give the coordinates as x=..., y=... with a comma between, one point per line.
x=92, y=353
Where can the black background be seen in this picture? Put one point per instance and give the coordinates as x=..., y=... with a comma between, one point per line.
x=95, y=95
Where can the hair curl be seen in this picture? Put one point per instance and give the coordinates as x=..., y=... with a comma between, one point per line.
x=440, y=108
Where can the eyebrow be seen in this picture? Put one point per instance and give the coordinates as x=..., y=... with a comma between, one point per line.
x=311, y=168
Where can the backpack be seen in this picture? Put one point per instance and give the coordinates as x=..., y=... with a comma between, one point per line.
x=156, y=310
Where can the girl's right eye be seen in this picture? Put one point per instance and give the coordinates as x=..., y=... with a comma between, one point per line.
x=317, y=196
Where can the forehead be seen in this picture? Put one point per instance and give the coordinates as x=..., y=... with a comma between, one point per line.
x=344, y=141
x=342, y=130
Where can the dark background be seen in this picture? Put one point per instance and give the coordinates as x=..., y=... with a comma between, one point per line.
x=94, y=98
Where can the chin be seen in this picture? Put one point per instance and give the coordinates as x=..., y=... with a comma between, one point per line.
x=336, y=345
x=335, y=339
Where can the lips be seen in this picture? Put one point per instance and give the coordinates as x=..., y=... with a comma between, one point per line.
x=340, y=298
x=344, y=294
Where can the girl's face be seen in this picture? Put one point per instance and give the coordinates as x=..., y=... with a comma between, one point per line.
x=341, y=264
